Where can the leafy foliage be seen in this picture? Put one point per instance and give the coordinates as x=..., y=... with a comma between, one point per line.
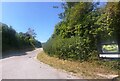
x=71, y=48
x=81, y=30
x=13, y=40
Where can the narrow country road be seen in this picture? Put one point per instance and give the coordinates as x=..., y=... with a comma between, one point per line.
x=25, y=66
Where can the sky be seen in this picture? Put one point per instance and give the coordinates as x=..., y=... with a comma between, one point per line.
x=40, y=16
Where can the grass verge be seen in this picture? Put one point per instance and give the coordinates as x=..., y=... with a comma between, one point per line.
x=89, y=70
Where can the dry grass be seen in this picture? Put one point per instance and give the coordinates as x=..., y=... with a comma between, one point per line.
x=85, y=69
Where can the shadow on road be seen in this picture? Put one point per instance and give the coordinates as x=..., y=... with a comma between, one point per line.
x=15, y=53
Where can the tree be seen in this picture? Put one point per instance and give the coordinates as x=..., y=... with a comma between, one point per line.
x=114, y=14
x=83, y=27
x=13, y=40
x=31, y=33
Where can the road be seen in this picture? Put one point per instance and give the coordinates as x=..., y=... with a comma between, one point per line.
x=25, y=66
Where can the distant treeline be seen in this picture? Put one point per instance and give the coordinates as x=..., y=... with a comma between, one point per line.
x=11, y=40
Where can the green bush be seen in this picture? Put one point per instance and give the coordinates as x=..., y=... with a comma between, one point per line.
x=69, y=48
x=82, y=29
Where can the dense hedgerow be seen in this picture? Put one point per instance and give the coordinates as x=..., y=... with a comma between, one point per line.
x=82, y=29
x=70, y=48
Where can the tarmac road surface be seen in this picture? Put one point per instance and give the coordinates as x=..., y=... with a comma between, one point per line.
x=25, y=66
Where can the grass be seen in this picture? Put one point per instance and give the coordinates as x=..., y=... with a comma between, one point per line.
x=85, y=69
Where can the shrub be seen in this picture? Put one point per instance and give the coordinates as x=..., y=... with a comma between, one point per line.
x=75, y=48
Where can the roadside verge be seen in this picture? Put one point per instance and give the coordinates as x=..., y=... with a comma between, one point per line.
x=89, y=70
